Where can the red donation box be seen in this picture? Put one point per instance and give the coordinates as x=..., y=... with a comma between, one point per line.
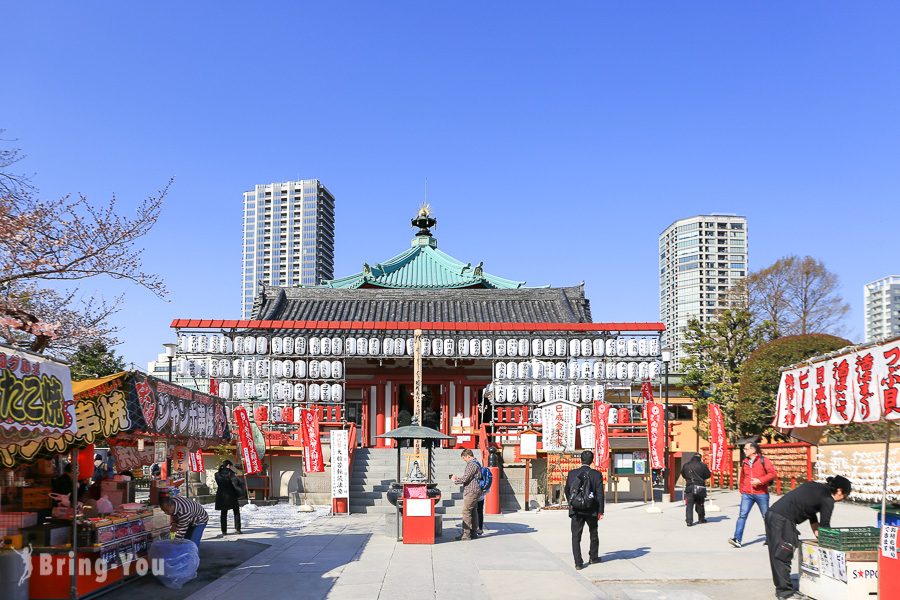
x=418, y=514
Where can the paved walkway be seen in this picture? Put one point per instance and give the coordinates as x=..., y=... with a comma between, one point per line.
x=523, y=556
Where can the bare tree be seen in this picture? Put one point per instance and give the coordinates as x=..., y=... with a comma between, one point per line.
x=796, y=296
x=67, y=239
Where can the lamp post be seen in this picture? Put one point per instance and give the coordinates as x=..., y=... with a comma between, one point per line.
x=170, y=354
x=666, y=358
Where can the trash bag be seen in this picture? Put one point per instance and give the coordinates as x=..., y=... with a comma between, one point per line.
x=104, y=505
x=179, y=561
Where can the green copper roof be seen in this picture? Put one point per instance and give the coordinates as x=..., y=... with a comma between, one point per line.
x=423, y=266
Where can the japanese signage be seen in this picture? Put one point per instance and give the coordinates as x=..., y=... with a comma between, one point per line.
x=857, y=387
x=647, y=390
x=312, y=445
x=340, y=467
x=889, y=541
x=35, y=394
x=174, y=410
x=180, y=458
x=195, y=460
x=558, y=420
x=131, y=458
x=249, y=456
x=601, y=433
x=528, y=444
x=656, y=436
x=718, y=441
x=159, y=452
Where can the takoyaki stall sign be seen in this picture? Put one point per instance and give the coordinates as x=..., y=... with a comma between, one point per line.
x=35, y=395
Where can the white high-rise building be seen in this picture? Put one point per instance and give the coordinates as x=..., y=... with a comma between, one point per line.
x=882, y=301
x=288, y=237
x=700, y=259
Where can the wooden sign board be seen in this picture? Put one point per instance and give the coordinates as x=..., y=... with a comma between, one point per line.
x=36, y=498
x=528, y=444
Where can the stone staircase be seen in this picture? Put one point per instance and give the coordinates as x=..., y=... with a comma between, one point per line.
x=374, y=469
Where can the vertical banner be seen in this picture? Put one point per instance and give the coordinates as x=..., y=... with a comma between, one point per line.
x=656, y=438
x=196, y=461
x=601, y=431
x=249, y=456
x=718, y=441
x=180, y=459
x=312, y=445
x=647, y=390
x=160, y=452
x=340, y=468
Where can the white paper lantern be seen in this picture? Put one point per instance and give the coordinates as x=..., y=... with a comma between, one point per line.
x=237, y=390
x=613, y=416
x=585, y=416
x=512, y=394
x=314, y=372
x=225, y=390
x=500, y=347
x=560, y=392
x=621, y=370
x=599, y=347
x=560, y=370
x=463, y=347
x=276, y=345
x=500, y=370
x=547, y=391
x=610, y=369
x=597, y=394
x=500, y=394
x=337, y=346
x=537, y=394
x=643, y=347
x=325, y=369
x=337, y=392
x=410, y=346
x=487, y=347
x=610, y=347
x=184, y=343
x=524, y=370
x=337, y=369
x=260, y=369
x=276, y=368
x=387, y=346
x=375, y=346
x=300, y=369
x=287, y=344
x=315, y=346
x=597, y=369
x=574, y=348
x=299, y=396
x=301, y=345
x=574, y=393
x=181, y=367
x=315, y=392
x=561, y=347
x=287, y=369
x=586, y=370
x=325, y=346
x=224, y=367
x=425, y=345
x=633, y=370
x=192, y=344
x=362, y=346
x=227, y=345
x=643, y=370
x=586, y=348
x=621, y=347
x=549, y=347
x=524, y=347
x=437, y=347
x=399, y=346
x=449, y=347
x=202, y=344
x=475, y=347
x=654, y=370
x=262, y=391
x=523, y=393
x=633, y=347
x=238, y=344
x=351, y=346
x=325, y=392
x=539, y=370
x=262, y=345
x=512, y=370
x=213, y=345
x=249, y=344
x=298, y=411
x=237, y=367
x=537, y=347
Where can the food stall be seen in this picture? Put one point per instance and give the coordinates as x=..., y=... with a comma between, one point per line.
x=860, y=384
x=106, y=539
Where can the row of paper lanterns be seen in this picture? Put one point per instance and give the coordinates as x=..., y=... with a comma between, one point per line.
x=620, y=416
x=468, y=347
x=596, y=369
x=538, y=394
x=259, y=368
x=282, y=391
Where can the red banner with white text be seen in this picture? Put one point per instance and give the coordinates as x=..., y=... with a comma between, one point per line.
x=656, y=436
x=312, y=444
x=600, y=416
x=647, y=390
x=249, y=456
x=718, y=441
x=196, y=461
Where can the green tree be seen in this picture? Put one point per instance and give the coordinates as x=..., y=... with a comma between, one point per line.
x=761, y=375
x=95, y=359
x=715, y=355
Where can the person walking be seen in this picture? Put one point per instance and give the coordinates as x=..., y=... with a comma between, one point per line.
x=189, y=518
x=695, y=474
x=471, y=482
x=228, y=496
x=757, y=472
x=813, y=502
x=584, y=494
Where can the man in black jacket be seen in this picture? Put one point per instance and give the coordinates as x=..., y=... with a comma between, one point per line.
x=590, y=481
x=695, y=474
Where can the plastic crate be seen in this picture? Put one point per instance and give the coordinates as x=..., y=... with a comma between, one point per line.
x=849, y=538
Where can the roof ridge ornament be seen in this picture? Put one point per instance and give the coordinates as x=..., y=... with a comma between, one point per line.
x=424, y=221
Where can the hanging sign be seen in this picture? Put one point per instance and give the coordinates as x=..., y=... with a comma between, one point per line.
x=528, y=444
x=558, y=421
x=340, y=471
x=249, y=456
x=855, y=387
x=180, y=458
x=718, y=441
x=601, y=432
x=656, y=437
x=196, y=461
x=159, y=452
x=312, y=444
x=35, y=395
x=889, y=541
x=647, y=390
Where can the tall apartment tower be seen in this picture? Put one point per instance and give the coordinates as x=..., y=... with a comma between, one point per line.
x=288, y=237
x=700, y=259
x=882, y=301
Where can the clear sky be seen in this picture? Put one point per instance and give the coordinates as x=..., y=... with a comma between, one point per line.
x=558, y=139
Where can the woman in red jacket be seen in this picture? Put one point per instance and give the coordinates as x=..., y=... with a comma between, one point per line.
x=757, y=472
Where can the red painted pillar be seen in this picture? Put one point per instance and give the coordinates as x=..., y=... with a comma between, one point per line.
x=379, y=415
x=492, y=499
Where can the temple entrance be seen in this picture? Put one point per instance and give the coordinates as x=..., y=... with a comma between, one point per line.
x=432, y=407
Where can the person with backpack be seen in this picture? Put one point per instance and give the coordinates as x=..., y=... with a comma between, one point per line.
x=695, y=474
x=471, y=482
x=584, y=493
x=229, y=492
x=487, y=478
x=757, y=472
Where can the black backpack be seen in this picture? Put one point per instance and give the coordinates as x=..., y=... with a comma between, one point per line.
x=583, y=498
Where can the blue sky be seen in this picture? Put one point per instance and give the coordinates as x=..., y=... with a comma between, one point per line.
x=558, y=141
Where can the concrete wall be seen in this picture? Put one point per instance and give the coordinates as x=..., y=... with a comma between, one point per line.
x=863, y=465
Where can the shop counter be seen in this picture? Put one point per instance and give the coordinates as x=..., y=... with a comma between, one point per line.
x=828, y=574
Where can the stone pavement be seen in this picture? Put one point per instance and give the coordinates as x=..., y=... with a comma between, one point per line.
x=524, y=555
